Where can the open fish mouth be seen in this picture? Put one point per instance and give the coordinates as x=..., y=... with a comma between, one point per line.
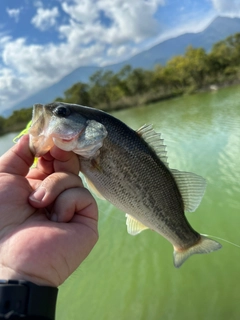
x=46, y=131
x=59, y=125
x=39, y=145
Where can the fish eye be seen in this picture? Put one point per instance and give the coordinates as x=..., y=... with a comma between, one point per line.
x=62, y=111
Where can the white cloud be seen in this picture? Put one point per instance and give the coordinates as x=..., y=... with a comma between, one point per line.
x=93, y=33
x=29, y=68
x=45, y=18
x=84, y=11
x=229, y=8
x=14, y=13
x=10, y=86
x=126, y=18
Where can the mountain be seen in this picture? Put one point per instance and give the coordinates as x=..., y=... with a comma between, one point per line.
x=219, y=29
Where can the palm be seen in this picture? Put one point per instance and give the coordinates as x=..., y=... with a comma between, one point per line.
x=33, y=246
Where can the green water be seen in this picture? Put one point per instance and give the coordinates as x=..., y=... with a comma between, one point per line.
x=133, y=278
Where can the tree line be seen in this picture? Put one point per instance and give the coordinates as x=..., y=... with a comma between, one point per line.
x=16, y=122
x=195, y=70
x=188, y=73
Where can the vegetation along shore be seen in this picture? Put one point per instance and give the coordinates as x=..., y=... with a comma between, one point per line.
x=192, y=72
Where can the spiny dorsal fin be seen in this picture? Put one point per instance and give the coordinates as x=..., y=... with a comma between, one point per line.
x=191, y=187
x=134, y=226
x=154, y=140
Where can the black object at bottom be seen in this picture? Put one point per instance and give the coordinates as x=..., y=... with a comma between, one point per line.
x=21, y=299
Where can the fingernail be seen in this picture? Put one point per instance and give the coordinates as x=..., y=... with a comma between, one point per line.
x=38, y=195
x=54, y=217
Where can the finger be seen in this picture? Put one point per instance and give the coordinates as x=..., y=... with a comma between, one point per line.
x=18, y=159
x=65, y=160
x=73, y=205
x=43, y=168
x=80, y=233
x=55, y=161
x=51, y=187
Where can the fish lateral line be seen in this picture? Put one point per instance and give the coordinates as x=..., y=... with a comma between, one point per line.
x=222, y=239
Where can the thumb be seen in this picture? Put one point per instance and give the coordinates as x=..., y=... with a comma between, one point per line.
x=18, y=159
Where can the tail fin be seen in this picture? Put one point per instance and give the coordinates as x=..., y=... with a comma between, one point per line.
x=205, y=245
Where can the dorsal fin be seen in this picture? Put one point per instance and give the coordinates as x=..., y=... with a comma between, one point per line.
x=154, y=140
x=191, y=187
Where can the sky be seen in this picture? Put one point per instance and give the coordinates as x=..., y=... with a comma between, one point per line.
x=42, y=41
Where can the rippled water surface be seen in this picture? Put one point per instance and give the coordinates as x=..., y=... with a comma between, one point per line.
x=133, y=278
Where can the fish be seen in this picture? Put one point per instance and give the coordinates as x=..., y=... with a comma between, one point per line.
x=129, y=169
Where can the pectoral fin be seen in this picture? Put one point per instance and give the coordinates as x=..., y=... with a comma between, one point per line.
x=134, y=227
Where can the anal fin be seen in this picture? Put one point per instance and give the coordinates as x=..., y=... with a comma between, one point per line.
x=134, y=227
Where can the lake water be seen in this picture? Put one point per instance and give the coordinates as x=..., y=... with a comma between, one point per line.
x=133, y=278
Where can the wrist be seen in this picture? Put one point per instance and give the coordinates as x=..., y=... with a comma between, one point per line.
x=7, y=273
x=25, y=299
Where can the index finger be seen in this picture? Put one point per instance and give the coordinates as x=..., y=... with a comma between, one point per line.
x=18, y=159
x=65, y=160
x=56, y=160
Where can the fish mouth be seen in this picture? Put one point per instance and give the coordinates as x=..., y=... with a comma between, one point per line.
x=46, y=131
x=67, y=140
x=67, y=143
x=69, y=132
x=35, y=131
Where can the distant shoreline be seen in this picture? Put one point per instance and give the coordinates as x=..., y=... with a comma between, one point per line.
x=194, y=72
x=18, y=127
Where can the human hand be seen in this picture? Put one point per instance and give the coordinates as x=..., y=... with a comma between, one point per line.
x=48, y=220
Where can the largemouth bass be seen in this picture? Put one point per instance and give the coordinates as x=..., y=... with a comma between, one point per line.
x=128, y=168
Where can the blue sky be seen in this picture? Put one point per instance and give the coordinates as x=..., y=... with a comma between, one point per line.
x=42, y=41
